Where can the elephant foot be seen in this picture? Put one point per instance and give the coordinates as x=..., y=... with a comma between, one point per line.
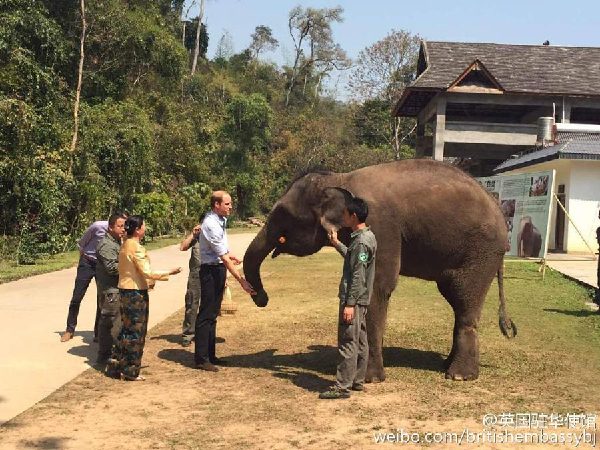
x=375, y=374
x=462, y=372
x=448, y=362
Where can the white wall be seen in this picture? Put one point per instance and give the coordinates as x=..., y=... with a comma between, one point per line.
x=582, y=190
x=584, y=203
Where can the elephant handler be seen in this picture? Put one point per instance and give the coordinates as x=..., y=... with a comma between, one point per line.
x=216, y=260
x=355, y=292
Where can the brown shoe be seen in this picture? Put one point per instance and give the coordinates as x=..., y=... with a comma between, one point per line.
x=67, y=336
x=209, y=367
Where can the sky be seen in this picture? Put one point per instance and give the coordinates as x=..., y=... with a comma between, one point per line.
x=574, y=23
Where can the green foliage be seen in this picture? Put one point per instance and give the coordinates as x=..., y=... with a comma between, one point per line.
x=117, y=145
x=153, y=139
x=156, y=209
x=248, y=121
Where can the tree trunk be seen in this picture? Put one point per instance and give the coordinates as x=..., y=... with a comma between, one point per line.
x=183, y=34
x=79, y=82
x=395, y=138
x=197, y=47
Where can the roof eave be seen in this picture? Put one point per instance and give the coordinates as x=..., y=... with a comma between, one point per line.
x=551, y=157
x=406, y=93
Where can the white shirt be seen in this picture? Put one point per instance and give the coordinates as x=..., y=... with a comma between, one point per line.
x=213, y=239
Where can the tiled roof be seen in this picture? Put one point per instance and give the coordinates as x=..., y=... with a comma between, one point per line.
x=518, y=69
x=538, y=69
x=571, y=149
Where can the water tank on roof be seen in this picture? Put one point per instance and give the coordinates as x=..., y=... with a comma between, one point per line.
x=545, y=134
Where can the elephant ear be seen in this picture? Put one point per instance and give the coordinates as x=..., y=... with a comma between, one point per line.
x=333, y=204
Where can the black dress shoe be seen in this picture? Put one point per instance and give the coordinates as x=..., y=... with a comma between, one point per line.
x=208, y=366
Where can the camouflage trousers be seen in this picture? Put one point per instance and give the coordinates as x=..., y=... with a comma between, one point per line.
x=109, y=325
x=127, y=353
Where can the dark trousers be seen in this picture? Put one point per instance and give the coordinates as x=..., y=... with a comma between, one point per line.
x=129, y=349
x=353, y=349
x=86, y=270
x=109, y=325
x=212, y=284
x=192, y=301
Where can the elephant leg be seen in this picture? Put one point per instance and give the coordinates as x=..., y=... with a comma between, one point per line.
x=465, y=291
x=387, y=270
x=376, y=319
x=464, y=363
x=450, y=357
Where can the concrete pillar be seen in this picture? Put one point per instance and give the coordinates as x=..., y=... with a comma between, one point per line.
x=420, y=144
x=440, y=126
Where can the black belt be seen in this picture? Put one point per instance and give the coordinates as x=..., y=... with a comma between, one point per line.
x=211, y=264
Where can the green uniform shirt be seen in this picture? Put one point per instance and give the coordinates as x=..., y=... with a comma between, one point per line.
x=195, y=257
x=359, y=268
x=107, y=268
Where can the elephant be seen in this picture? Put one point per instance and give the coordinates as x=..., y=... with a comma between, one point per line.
x=529, y=239
x=431, y=220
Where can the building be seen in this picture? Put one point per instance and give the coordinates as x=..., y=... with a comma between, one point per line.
x=575, y=156
x=481, y=102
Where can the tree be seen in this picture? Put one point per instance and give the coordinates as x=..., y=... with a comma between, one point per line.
x=314, y=47
x=382, y=71
x=79, y=78
x=247, y=132
x=198, y=31
x=224, y=47
x=262, y=39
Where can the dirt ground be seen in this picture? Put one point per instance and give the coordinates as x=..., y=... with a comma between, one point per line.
x=281, y=357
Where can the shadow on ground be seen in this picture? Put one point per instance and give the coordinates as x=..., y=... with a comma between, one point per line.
x=89, y=349
x=49, y=443
x=86, y=336
x=176, y=338
x=304, y=369
x=580, y=313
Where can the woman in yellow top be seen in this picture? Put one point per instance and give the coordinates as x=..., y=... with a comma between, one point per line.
x=135, y=278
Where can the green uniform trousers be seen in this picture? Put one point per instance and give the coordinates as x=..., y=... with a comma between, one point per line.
x=192, y=303
x=353, y=349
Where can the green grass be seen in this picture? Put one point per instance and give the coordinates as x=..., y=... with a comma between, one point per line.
x=552, y=364
x=281, y=356
x=11, y=271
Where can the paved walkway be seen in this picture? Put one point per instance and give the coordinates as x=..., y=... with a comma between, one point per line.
x=581, y=268
x=33, y=311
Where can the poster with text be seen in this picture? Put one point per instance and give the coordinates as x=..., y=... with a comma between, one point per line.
x=525, y=200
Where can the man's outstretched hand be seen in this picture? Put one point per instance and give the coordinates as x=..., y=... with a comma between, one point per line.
x=246, y=286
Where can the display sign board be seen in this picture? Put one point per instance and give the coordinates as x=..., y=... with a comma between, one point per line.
x=525, y=200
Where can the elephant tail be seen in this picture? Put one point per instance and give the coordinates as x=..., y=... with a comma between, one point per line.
x=507, y=326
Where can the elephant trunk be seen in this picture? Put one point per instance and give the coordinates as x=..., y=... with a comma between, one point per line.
x=257, y=251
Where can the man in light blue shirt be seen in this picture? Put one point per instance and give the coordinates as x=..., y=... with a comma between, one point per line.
x=215, y=261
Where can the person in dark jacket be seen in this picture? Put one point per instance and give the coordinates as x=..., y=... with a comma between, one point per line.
x=107, y=277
